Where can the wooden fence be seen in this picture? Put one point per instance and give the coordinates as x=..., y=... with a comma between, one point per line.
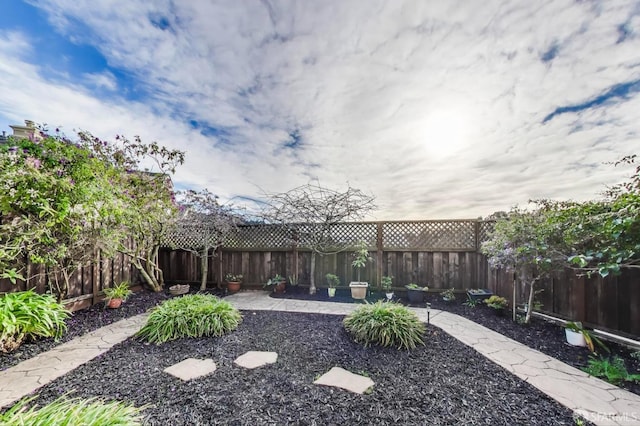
x=440, y=254
x=85, y=284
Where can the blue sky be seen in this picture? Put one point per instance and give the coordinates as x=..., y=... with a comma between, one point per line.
x=440, y=109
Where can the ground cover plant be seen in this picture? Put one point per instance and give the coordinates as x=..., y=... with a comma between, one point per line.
x=26, y=314
x=444, y=382
x=73, y=412
x=385, y=324
x=194, y=315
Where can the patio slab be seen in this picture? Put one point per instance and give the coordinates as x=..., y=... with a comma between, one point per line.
x=191, y=368
x=341, y=378
x=255, y=359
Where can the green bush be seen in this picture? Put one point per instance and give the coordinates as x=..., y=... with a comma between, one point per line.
x=71, y=412
x=612, y=370
x=194, y=315
x=385, y=324
x=28, y=314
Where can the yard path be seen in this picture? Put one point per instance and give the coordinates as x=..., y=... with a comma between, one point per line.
x=593, y=399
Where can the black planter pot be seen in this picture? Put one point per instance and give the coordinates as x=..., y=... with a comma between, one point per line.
x=480, y=295
x=415, y=296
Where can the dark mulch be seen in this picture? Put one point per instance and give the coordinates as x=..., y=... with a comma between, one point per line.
x=547, y=337
x=441, y=383
x=84, y=321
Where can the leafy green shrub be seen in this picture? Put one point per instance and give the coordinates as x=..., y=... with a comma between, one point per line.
x=612, y=370
x=194, y=315
x=28, y=314
x=496, y=302
x=385, y=324
x=71, y=412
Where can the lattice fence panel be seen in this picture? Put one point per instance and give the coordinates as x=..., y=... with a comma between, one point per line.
x=484, y=230
x=188, y=237
x=259, y=237
x=429, y=235
x=340, y=235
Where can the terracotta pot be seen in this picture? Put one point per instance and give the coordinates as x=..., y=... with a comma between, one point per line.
x=280, y=287
x=233, y=286
x=114, y=303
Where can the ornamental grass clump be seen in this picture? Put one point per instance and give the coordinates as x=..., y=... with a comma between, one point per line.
x=26, y=314
x=385, y=324
x=195, y=315
x=73, y=411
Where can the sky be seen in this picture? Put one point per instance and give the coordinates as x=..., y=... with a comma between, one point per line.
x=440, y=109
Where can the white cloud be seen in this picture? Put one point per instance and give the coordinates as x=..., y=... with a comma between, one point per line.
x=435, y=107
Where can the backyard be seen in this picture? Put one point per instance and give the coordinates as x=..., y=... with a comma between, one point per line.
x=442, y=382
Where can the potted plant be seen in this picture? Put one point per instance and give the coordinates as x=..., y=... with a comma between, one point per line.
x=360, y=258
x=448, y=295
x=415, y=293
x=386, y=283
x=577, y=335
x=234, y=281
x=498, y=303
x=479, y=294
x=114, y=296
x=278, y=284
x=332, y=281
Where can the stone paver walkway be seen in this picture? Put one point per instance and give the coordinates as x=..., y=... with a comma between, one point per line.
x=594, y=399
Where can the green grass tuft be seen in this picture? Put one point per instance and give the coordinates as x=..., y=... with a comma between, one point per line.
x=385, y=324
x=194, y=315
x=28, y=314
x=66, y=411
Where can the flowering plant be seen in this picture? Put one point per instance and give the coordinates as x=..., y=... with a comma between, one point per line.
x=233, y=278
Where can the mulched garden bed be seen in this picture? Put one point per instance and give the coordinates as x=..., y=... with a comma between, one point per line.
x=84, y=321
x=443, y=382
x=541, y=335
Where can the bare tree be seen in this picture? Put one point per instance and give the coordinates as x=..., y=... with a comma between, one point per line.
x=203, y=225
x=310, y=213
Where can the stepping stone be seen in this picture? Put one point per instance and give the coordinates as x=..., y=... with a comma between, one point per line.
x=341, y=378
x=255, y=359
x=191, y=368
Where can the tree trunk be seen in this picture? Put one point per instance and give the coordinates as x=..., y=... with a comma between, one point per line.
x=527, y=317
x=312, y=280
x=150, y=280
x=204, y=262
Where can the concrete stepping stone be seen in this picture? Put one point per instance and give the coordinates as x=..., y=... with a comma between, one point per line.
x=191, y=368
x=341, y=378
x=255, y=359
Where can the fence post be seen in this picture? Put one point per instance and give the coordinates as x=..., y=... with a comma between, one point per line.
x=379, y=249
x=96, y=277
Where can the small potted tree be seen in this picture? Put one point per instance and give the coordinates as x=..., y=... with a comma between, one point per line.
x=360, y=258
x=448, y=295
x=332, y=281
x=234, y=281
x=415, y=293
x=277, y=284
x=114, y=296
x=386, y=283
